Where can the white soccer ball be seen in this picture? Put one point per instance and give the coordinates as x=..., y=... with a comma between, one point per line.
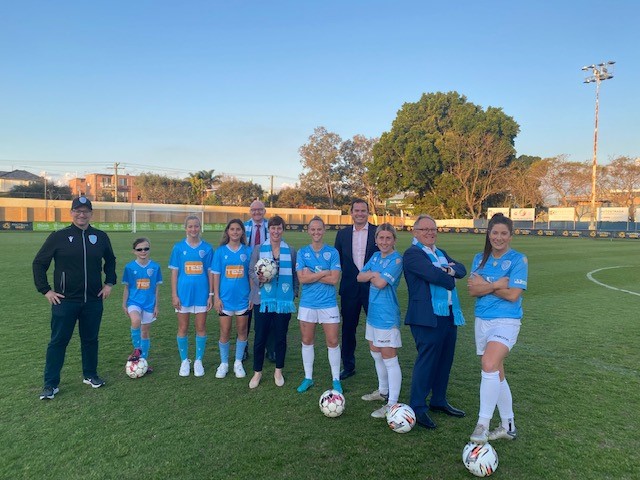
x=268, y=268
x=136, y=368
x=401, y=418
x=480, y=459
x=332, y=403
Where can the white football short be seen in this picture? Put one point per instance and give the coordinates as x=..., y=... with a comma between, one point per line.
x=146, y=317
x=238, y=313
x=184, y=309
x=319, y=315
x=383, y=338
x=503, y=330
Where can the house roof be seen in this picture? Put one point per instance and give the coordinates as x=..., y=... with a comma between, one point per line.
x=20, y=175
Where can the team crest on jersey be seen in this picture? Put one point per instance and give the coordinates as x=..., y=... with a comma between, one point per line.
x=243, y=257
x=505, y=265
x=202, y=253
x=70, y=238
x=93, y=239
x=326, y=255
x=267, y=287
x=285, y=287
x=150, y=271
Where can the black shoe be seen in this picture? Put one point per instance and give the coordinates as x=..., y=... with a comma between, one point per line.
x=95, y=381
x=48, y=393
x=271, y=356
x=344, y=374
x=424, y=420
x=448, y=409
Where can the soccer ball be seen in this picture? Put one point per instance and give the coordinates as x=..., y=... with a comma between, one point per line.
x=480, y=459
x=401, y=418
x=332, y=403
x=136, y=368
x=268, y=268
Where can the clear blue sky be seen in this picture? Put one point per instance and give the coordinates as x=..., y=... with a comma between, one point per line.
x=238, y=86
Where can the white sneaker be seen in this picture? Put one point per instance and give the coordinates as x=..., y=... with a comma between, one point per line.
x=381, y=412
x=238, y=369
x=185, y=368
x=480, y=434
x=375, y=395
x=198, y=369
x=222, y=370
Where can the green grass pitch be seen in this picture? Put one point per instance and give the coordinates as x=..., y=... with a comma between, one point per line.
x=574, y=375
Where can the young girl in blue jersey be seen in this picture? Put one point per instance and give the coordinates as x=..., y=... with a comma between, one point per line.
x=231, y=291
x=383, y=271
x=318, y=270
x=191, y=292
x=141, y=279
x=498, y=278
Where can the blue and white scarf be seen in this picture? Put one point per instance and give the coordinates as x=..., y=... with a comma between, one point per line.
x=277, y=295
x=440, y=295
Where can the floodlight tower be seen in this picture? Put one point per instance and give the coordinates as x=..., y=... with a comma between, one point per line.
x=597, y=73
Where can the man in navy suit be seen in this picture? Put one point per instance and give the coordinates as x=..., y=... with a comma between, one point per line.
x=430, y=274
x=355, y=245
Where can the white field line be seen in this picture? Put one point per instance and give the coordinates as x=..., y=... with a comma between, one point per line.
x=590, y=277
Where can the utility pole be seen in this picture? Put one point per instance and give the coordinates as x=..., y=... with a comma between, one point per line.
x=271, y=192
x=115, y=187
x=599, y=73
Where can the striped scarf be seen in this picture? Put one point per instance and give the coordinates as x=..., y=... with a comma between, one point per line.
x=277, y=295
x=440, y=296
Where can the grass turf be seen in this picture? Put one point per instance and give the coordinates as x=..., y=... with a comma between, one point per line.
x=574, y=376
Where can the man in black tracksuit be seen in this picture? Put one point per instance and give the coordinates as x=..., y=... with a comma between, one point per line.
x=78, y=252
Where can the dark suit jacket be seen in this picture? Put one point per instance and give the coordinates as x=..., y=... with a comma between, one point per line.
x=419, y=273
x=344, y=245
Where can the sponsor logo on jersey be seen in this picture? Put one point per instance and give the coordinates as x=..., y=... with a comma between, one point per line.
x=234, y=271
x=143, y=283
x=519, y=281
x=193, y=268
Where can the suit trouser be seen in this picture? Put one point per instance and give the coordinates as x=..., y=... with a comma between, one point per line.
x=436, y=348
x=350, y=307
x=63, y=322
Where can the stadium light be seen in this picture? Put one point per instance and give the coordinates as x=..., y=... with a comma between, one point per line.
x=598, y=73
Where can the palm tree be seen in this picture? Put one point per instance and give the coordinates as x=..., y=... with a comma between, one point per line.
x=202, y=182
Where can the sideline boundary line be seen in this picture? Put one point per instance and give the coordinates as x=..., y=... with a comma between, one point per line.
x=590, y=277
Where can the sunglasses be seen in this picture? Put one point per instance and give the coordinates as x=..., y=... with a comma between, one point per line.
x=145, y=249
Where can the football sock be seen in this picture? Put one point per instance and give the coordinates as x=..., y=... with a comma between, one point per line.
x=183, y=347
x=308, y=356
x=145, y=344
x=224, y=352
x=505, y=405
x=489, y=392
x=241, y=346
x=201, y=343
x=381, y=370
x=395, y=379
x=135, y=337
x=334, y=361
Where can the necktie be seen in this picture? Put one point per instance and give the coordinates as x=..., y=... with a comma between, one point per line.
x=257, y=234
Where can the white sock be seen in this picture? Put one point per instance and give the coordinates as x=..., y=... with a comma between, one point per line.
x=395, y=379
x=505, y=406
x=334, y=361
x=381, y=370
x=308, y=356
x=489, y=392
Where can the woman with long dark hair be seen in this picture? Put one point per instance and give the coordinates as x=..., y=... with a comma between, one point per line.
x=498, y=278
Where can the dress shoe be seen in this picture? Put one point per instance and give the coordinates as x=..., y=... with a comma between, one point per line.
x=424, y=420
x=346, y=374
x=448, y=409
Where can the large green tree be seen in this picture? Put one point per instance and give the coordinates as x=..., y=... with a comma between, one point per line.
x=443, y=146
x=38, y=189
x=201, y=184
x=156, y=188
x=356, y=155
x=320, y=159
x=234, y=192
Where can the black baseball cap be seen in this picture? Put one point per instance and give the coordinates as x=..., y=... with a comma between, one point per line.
x=81, y=202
